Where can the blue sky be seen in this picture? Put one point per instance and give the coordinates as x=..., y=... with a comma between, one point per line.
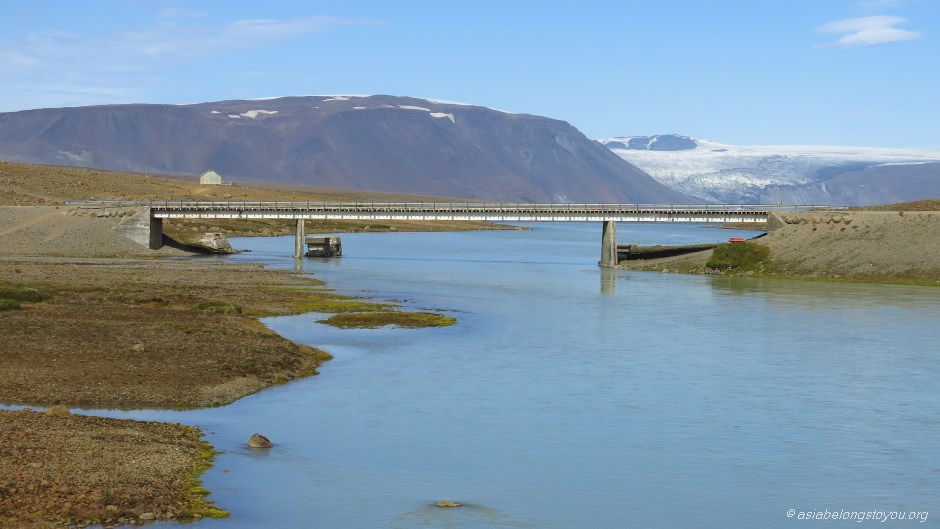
x=825, y=72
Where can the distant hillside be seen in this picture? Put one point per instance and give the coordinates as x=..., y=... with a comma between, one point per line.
x=715, y=172
x=378, y=143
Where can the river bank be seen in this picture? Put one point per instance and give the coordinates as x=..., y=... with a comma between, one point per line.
x=897, y=246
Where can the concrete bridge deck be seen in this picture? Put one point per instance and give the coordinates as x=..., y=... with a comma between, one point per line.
x=505, y=212
x=608, y=214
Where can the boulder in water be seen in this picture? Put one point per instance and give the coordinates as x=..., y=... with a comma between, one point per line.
x=259, y=441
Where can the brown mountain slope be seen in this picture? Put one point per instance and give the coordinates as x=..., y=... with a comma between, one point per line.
x=379, y=143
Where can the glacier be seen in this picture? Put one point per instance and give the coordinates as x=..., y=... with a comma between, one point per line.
x=718, y=172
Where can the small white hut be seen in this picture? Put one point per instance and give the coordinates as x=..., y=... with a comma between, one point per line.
x=210, y=178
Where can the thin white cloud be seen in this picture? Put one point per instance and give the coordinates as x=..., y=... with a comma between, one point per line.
x=167, y=42
x=867, y=31
x=175, y=42
x=99, y=65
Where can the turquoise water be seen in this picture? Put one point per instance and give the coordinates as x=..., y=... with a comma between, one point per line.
x=571, y=397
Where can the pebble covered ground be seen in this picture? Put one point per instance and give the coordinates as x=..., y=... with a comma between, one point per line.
x=60, y=468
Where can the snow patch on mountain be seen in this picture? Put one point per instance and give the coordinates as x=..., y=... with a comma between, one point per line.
x=443, y=115
x=255, y=113
x=339, y=98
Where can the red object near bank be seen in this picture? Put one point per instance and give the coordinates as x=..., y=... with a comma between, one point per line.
x=735, y=239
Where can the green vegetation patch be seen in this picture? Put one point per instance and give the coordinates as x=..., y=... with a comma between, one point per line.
x=9, y=304
x=220, y=307
x=198, y=504
x=372, y=320
x=738, y=256
x=21, y=293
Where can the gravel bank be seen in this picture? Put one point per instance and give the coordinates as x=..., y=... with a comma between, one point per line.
x=60, y=469
x=868, y=246
x=66, y=232
x=859, y=245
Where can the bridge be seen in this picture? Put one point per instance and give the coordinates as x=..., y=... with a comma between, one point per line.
x=146, y=226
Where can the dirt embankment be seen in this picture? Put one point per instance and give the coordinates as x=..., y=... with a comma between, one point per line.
x=871, y=246
x=59, y=231
x=896, y=246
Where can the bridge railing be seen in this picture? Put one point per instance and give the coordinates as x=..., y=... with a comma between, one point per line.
x=448, y=207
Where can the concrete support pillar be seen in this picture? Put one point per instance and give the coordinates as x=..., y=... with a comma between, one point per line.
x=608, y=245
x=142, y=228
x=156, y=233
x=299, y=240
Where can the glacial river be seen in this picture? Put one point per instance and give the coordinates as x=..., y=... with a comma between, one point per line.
x=574, y=398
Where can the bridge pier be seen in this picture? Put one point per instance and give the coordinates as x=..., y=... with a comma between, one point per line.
x=141, y=227
x=299, y=240
x=608, y=245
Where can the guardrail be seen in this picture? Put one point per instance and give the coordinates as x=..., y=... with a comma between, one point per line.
x=449, y=207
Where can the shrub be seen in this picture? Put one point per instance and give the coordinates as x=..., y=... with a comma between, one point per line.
x=738, y=256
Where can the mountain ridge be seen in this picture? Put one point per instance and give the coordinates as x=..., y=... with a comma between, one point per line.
x=381, y=143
